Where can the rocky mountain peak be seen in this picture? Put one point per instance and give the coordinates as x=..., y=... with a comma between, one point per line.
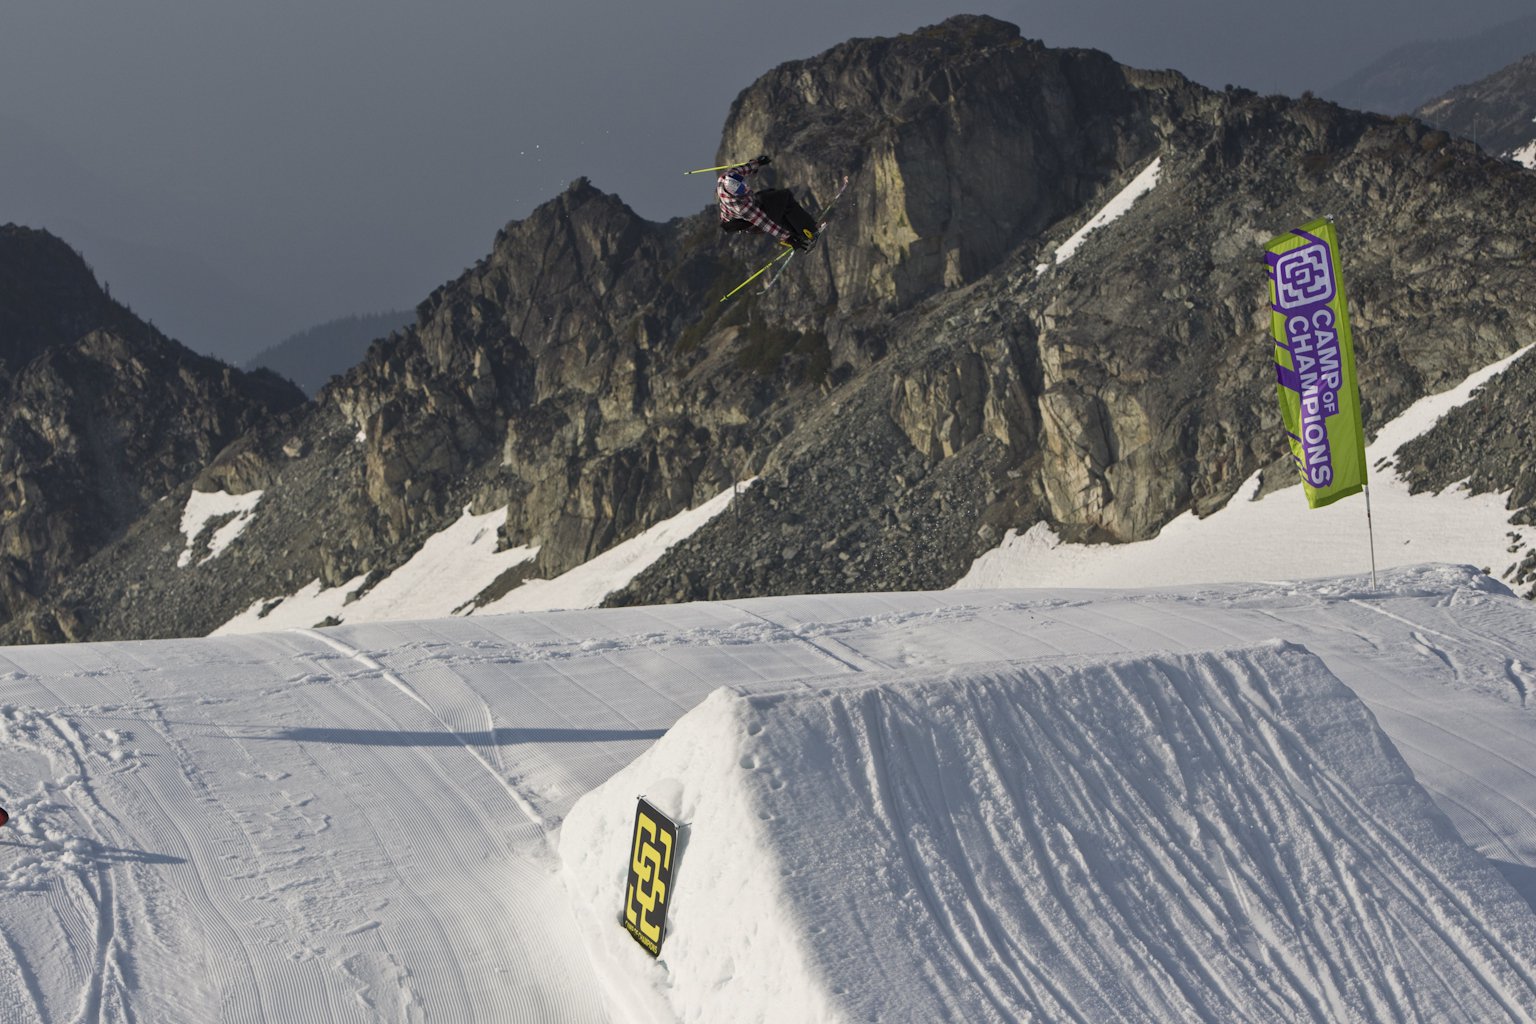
x=48, y=296
x=943, y=368
x=965, y=140
x=102, y=416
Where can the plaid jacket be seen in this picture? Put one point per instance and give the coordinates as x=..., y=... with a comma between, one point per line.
x=745, y=206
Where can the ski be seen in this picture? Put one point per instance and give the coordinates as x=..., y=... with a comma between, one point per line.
x=821, y=223
x=780, y=272
x=758, y=273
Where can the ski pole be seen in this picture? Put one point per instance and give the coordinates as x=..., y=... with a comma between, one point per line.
x=754, y=277
x=705, y=170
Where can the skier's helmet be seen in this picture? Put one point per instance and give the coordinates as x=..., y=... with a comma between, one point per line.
x=734, y=185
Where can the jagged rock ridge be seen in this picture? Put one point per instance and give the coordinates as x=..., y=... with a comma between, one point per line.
x=102, y=416
x=916, y=386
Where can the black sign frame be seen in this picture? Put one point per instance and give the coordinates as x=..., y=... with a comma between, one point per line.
x=648, y=888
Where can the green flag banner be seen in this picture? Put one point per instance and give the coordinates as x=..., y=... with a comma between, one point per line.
x=1315, y=362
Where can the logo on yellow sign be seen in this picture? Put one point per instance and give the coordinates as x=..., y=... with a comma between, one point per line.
x=650, y=877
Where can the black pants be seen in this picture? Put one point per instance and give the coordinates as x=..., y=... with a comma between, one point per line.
x=779, y=203
x=780, y=206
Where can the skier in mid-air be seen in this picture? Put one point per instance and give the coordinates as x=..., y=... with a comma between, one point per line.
x=770, y=211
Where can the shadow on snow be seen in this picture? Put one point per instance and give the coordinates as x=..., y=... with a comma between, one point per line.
x=495, y=737
x=91, y=850
x=1521, y=877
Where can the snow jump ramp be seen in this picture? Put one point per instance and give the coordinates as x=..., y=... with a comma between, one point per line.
x=1216, y=836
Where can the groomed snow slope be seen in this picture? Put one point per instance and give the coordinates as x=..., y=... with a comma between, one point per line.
x=1219, y=836
x=360, y=824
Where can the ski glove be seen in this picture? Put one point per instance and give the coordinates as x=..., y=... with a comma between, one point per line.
x=762, y=161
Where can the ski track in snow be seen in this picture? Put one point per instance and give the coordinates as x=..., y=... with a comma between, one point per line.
x=358, y=824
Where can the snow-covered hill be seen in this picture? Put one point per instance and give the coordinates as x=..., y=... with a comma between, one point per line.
x=1178, y=804
x=1221, y=835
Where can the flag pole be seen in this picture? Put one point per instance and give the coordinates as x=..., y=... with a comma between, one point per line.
x=1364, y=485
x=1371, y=531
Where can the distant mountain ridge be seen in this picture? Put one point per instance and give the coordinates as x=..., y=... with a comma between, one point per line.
x=935, y=374
x=1403, y=80
x=312, y=357
x=1497, y=112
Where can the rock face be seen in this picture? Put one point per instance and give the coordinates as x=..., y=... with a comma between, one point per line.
x=929, y=377
x=965, y=140
x=1487, y=443
x=1496, y=112
x=102, y=416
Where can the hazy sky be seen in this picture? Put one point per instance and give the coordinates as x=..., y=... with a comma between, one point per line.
x=239, y=170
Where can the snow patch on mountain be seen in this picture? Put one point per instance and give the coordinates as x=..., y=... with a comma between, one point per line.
x=1252, y=536
x=456, y=564
x=439, y=579
x=586, y=585
x=204, y=507
x=1116, y=208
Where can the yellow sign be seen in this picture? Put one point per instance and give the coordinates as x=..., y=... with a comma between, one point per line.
x=650, y=877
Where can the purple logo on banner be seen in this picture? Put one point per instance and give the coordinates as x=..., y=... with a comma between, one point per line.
x=1304, y=277
x=1304, y=287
